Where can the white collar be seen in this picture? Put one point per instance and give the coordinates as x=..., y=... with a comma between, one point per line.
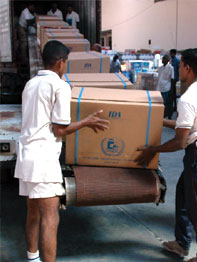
x=47, y=72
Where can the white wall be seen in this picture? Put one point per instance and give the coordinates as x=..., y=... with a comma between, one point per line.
x=134, y=22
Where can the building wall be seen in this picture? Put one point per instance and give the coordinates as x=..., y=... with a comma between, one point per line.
x=135, y=22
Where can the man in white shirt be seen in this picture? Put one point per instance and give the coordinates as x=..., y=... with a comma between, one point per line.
x=72, y=18
x=45, y=119
x=165, y=83
x=26, y=25
x=185, y=138
x=55, y=11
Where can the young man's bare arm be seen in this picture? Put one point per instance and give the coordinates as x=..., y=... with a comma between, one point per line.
x=169, y=123
x=92, y=121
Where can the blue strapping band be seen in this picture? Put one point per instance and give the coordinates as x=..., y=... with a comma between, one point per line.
x=67, y=78
x=149, y=118
x=51, y=33
x=86, y=45
x=101, y=61
x=68, y=66
x=124, y=83
x=77, y=133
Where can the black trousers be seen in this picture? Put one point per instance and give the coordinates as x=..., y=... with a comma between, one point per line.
x=186, y=199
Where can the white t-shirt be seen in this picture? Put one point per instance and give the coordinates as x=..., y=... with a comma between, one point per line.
x=45, y=100
x=187, y=112
x=166, y=73
x=25, y=15
x=57, y=13
x=72, y=19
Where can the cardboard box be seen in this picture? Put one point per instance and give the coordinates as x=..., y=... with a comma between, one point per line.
x=41, y=25
x=87, y=62
x=47, y=18
x=135, y=116
x=147, y=81
x=59, y=37
x=104, y=80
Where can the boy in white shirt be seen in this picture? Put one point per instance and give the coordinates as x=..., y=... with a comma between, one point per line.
x=165, y=83
x=45, y=119
x=185, y=138
x=72, y=18
x=55, y=11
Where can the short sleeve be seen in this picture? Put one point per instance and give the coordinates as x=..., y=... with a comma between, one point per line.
x=77, y=17
x=186, y=115
x=172, y=74
x=61, y=109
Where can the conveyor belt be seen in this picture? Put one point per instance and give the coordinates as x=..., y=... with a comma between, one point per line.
x=93, y=186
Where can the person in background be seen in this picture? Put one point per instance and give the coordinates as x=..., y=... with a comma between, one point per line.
x=115, y=66
x=176, y=64
x=54, y=11
x=46, y=119
x=97, y=47
x=26, y=26
x=165, y=83
x=72, y=18
x=185, y=138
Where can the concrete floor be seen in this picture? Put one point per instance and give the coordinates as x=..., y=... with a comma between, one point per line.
x=126, y=233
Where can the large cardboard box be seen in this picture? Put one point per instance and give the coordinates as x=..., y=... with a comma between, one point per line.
x=87, y=62
x=76, y=45
x=47, y=18
x=135, y=116
x=104, y=80
x=147, y=81
x=41, y=25
x=59, y=36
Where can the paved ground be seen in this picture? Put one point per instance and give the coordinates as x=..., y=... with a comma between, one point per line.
x=126, y=233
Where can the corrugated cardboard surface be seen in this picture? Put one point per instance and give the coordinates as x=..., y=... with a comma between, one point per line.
x=146, y=81
x=135, y=116
x=88, y=62
x=47, y=18
x=76, y=45
x=59, y=36
x=104, y=80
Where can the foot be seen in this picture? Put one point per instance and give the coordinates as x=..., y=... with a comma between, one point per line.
x=174, y=247
x=194, y=259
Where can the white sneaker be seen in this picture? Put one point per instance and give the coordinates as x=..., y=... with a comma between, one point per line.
x=174, y=247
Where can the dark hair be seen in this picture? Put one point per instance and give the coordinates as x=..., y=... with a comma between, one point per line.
x=54, y=51
x=189, y=57
x=173, y=51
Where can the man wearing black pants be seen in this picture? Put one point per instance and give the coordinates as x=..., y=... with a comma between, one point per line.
x=185, y=138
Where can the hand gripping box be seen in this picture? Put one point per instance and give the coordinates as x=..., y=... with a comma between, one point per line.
x=87, y=62
x=104, y=80
x=59, y=36
x=135, y=116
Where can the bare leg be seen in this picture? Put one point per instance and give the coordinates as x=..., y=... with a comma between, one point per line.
x=32, y=225
x=49, y=211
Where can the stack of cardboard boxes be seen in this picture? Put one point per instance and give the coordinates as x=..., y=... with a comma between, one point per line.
x=135, y=115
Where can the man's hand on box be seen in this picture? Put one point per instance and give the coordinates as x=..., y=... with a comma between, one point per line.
x=147, y=154
x=96, y=123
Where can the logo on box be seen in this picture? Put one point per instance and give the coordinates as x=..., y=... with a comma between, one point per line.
x=87, y=65
x=114, y=114
x=112, y=146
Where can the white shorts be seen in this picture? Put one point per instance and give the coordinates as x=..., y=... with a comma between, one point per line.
x=40, y=190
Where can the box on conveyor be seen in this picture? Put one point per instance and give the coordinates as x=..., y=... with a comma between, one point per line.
x=59, y=36
x=135, y=116
x=147, y=81
x=41, y=25
x=47, y=18
x=87, y=62
x=76, y=45
x=104, y=80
